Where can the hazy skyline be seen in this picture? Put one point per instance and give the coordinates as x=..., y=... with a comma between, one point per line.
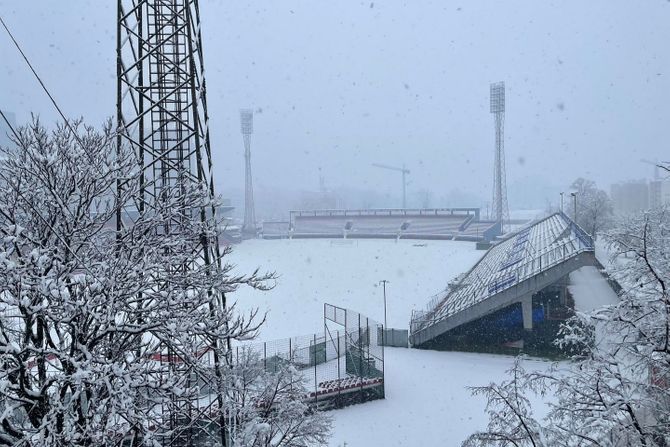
x=341, y=85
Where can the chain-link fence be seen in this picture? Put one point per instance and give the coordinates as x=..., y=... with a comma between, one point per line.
x=342, y=366
x=200, y=395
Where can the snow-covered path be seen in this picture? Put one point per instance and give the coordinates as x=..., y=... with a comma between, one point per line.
x=427, y=401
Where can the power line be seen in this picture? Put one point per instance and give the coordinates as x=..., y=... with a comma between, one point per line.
x=46, y=90
x=53, y=101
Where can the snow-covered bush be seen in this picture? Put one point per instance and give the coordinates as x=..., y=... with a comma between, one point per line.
x=270, y=408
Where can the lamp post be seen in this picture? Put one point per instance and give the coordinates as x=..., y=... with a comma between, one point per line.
x=383, y=283
x=561, y=202
x=574, y=201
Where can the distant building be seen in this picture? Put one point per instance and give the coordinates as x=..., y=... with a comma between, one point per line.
x=659, y=193
x=630, y=197
x=4, y=130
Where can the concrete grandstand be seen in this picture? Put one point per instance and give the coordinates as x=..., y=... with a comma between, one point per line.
x=516, y=293
x=438, y=223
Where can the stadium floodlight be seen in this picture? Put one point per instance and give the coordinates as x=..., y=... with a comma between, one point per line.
x=500, y=207
x=161, y=113
x=247, y=127
x=247, y=121
x=497, y=97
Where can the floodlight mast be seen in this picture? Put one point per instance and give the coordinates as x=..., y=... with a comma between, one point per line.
x=404, y=172
x=162, y=116
x=247, y=127
x=500, y=207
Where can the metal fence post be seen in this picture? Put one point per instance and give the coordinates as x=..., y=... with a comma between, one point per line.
x=383, y=368
x=339, y=374
x=316, y=385
x=360, y=357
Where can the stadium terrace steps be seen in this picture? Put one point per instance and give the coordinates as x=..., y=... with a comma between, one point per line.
x=275, y=229
x=476, y=228
x=510, y=272
x=390, y=223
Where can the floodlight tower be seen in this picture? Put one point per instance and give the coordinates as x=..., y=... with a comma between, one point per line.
x=162, y=116
x=500, y=208
x=162, y=106
x=247, y=122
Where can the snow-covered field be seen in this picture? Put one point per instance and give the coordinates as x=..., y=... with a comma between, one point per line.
x=427, y=401
x=346, y=273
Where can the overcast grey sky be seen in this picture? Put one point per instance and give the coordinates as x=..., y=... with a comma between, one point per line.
x=342, y=84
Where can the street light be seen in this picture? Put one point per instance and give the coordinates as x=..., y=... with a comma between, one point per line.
x=383, y=282
x=574, y=201
x=561, y=202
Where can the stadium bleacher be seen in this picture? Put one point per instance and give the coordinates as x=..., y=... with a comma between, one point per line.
x=402, y=223
x=333, y=226
x=519, y=257
x=477, y=229
x=275, y=229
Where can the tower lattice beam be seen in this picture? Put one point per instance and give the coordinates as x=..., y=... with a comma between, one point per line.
x=247, y=126
x=162, y=116
x=499, y=205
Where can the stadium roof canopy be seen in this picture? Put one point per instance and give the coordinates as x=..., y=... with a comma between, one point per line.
x=522, y=264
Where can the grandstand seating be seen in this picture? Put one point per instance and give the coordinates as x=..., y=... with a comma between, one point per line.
x=324, y=225
x=275, y=229
x=519, y=257
x=476, y=229
x=386, y=223
x=346, y=385
x=377, y=224
x=448, y=225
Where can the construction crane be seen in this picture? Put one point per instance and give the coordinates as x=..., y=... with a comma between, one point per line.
x=656, y=165
x=404, y=172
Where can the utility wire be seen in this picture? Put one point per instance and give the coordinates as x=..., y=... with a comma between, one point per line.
x=53, y=101
x=67, y=123
x=46, y=90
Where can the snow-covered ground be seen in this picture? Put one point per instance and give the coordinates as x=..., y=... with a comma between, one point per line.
x=346, y=273
x=427, y=400
x=590, y=289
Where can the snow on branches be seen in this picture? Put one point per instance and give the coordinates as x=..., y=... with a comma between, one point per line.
x=106, y=336
x=269, y=406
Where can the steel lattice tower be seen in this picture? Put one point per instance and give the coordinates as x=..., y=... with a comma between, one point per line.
x=247, y=125
x=162, y=115
x=499, y=204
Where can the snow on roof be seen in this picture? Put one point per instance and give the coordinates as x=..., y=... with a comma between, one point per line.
x=521, y=255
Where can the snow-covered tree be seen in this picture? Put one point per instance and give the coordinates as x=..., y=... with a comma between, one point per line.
x=594, y=207
x=269, y=408
x=105, y=336
x=616, y=389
